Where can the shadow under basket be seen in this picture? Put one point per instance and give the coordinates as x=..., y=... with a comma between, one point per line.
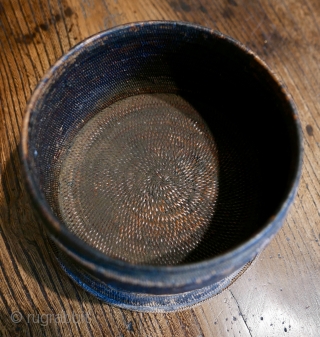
x=162, y=158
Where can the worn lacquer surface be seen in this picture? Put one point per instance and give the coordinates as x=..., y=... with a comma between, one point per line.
x=278, y=295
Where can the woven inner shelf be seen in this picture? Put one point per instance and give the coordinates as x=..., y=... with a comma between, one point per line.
x=140, y=180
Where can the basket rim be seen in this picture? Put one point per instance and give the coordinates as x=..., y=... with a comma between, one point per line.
x=91, y=257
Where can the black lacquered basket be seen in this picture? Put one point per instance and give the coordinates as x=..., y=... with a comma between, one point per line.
x=162, y=158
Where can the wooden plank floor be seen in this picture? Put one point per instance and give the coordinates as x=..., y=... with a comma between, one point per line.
x=279, y=295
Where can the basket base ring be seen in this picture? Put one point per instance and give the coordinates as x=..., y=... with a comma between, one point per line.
x=143, y=302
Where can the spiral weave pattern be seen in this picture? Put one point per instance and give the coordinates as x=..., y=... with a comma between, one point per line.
x=139, y=181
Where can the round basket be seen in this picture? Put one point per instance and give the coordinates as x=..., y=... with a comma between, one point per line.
x=162, y=158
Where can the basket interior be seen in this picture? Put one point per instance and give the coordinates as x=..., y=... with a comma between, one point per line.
x=162, y=146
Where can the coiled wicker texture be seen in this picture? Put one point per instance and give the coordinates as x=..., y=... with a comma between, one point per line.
x=243, y=167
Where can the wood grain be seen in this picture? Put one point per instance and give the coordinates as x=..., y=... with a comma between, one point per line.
x=279, y=295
